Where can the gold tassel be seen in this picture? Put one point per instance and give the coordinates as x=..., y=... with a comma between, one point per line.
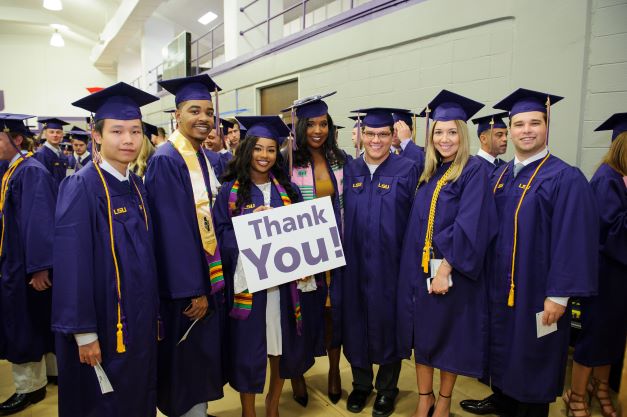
x=510, y=299
x=425, y=259
x=120, y=348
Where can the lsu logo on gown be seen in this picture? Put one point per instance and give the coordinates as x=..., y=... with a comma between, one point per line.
x=358, y=184
x=250, y=206
x=384, y=186
x=120, y=210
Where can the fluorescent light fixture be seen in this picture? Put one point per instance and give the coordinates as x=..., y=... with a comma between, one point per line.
x=57, y=40
x=207, y=18
x=55, y=5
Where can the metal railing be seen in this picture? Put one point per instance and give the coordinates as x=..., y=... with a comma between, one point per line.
x=270, y=17
x=195, y=45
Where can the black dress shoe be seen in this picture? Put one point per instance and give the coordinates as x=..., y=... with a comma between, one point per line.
x=357, y=400
x=488, y=405
x=18, y=402
x=334, y=397
x=383, y=406
x=53, y=379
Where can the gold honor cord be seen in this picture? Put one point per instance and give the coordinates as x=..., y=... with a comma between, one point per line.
x=5, y=188
x=120, y=347
x=512, y=286
x=428, y=248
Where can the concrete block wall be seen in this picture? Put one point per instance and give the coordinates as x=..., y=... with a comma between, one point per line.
x=606, y=83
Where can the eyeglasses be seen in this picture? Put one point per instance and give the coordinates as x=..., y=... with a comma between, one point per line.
x=381, y=135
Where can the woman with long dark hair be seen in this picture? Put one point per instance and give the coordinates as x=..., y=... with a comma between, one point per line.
x=318, y=172
x=266, y=324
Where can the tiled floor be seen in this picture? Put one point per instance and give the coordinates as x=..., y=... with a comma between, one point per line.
x=319, y=405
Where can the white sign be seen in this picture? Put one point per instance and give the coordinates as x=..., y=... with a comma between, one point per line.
x=288, y=243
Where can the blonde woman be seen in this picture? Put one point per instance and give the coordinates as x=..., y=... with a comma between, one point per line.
x=139, y=165
x=442, y=305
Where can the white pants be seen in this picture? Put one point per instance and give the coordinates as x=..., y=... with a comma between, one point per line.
x=51, y=364
x=199, y=410
x=30, y=376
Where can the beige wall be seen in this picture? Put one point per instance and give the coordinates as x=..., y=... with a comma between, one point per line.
x=483, y=49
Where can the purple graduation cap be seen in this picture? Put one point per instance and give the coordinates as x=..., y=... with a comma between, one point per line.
x=379, y=116
x=309, y=107
x=225, y=125
x=11, y=122
x=197, y=87
x=406, y=116
x=271, y=127
x=53, y=123
x=119, y=102
x=491, y=121
x=523, y=101
x=357, y=120
x=448, y=106
x=617, y=123
x=150, y=130
x=79, y=134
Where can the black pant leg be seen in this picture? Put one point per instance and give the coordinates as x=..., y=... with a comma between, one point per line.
x=362, y=378
x=387, y=379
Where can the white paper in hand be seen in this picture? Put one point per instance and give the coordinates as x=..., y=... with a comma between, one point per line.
x=541, y=329
x=187, y=332
x=103, y=380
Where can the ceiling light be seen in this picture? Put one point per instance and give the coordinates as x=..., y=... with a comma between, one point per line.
x=207, y=18
x=55, y=5
x=57, y=40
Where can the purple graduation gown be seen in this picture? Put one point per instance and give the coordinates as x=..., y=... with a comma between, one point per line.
x=557, y=256
x=190, y=373
x=85, y=296
x=57, y=165
x=448, y=332
x=376, y=212
x=604, y=317
x=246, y=339
x=314, y=302
x=218, y=162
x=72, y=162
x=415, y=153
x=28, y=212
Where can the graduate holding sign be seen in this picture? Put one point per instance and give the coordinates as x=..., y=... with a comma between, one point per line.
x=546, y=251
x=267, y=323
x=442, y=300
x=105, y=299
x=378, y=190
x=182, y=185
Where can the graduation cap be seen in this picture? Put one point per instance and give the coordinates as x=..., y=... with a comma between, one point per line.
x=309, y=107
x=523, y=100
x=408, y=117
x=225, y=125
x=197, y=87
x=338, y=127
x=491, y=121
x=150, y=130
x=271, y=127
x=448, y=106
x=617, y=123
x=357, y=120
x=120, y=102
x=378, y=116
x=53, y=123
x=12, y=122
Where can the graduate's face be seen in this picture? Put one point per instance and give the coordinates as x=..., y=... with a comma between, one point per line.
x=54, y=136
x=120, y=140
x=195, y=119
x=495, y=145
x=7, y=150
x=264, y=155
x=377, y=142
x=79, y=147
x=528, y=132
x=446, y=139
x=213, y=141
x=317, y=131
x=234, y=132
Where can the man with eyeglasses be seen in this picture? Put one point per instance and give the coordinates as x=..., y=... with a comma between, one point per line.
x=378, y=191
